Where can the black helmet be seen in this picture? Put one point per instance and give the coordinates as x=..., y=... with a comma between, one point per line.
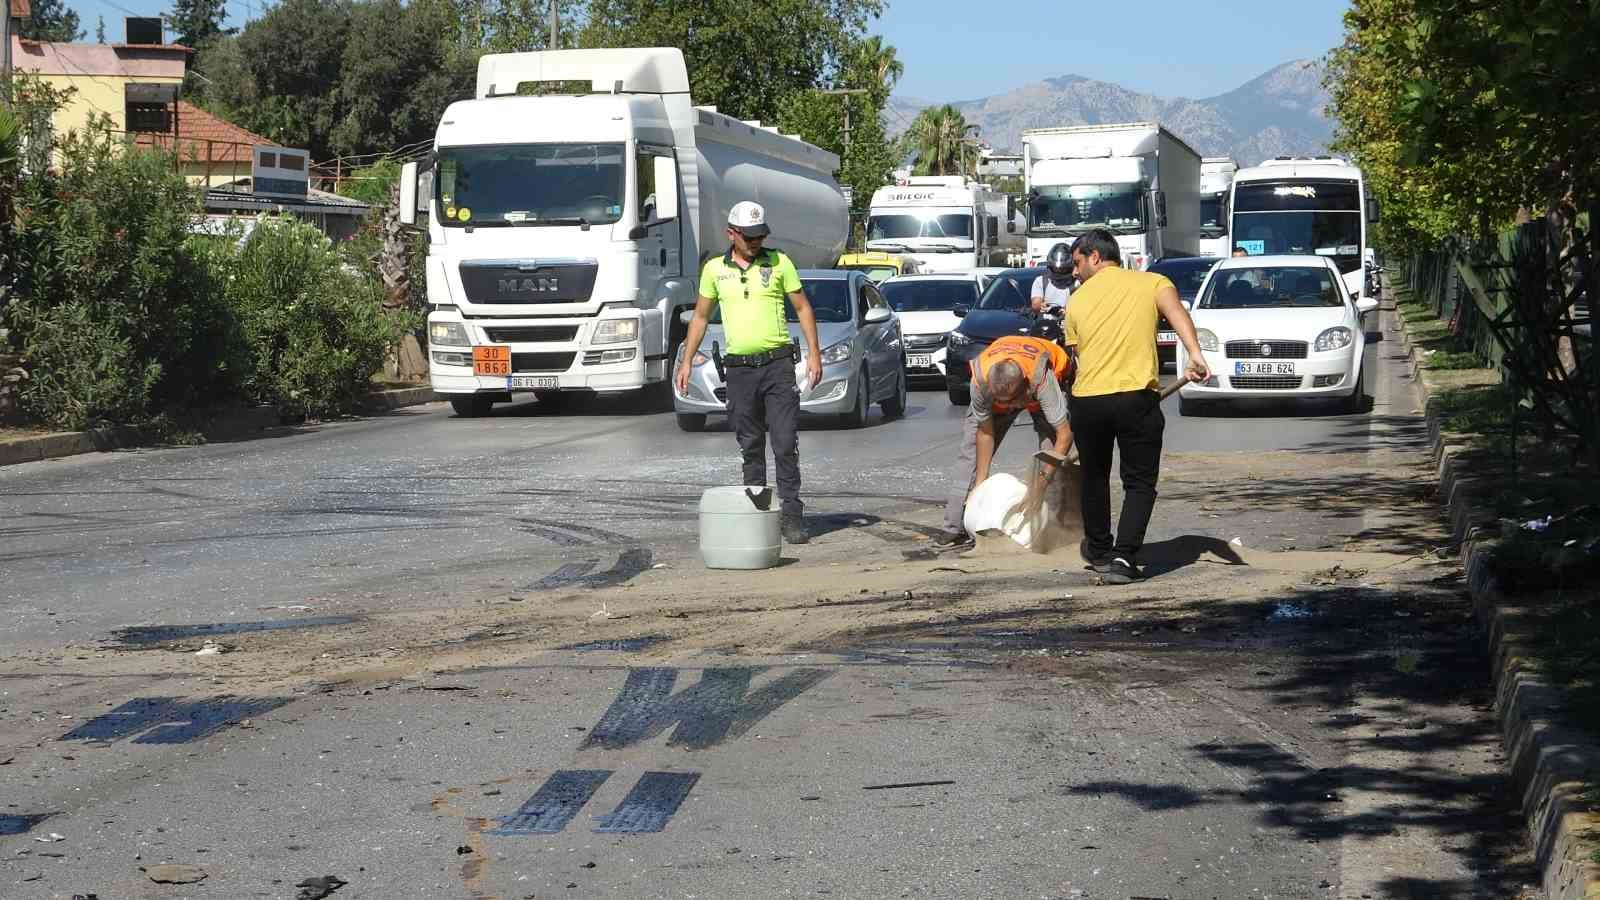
x=1059, y=261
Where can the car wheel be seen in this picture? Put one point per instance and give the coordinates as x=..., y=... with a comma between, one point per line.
x=960, y=396
x=692, y=422
x=895, y=406
x=471, y=407
x=857, y=417
x=1357, y=401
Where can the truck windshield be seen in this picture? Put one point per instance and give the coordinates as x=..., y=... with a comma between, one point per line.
x=529, y=185
x=891, y=227
x=1302, y=216
x=1211, y=224
x=1076, y=208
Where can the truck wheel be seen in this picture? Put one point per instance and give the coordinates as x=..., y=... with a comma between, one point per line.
x=960, y=396
x=894, y=406
x=692, y=422
x=471, y=406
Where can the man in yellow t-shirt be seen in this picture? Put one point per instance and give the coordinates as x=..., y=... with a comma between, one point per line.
x=1111, y=322
x=750, y=283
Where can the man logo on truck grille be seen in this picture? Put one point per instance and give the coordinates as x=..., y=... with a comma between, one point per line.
x=546, y=284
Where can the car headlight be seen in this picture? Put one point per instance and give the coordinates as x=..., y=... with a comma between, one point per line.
x=616, y=331
x=957, y=339
x=837, y=353
x=448, y=334
x=1336, y=338
x=1207, y=339
x=700, y=359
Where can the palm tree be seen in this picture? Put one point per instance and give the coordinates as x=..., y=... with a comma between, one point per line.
x=878, y=63
x=939, y=137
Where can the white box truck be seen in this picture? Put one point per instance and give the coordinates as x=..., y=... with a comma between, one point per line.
x=945, y=222
x=1216, y=175
x=566, y=231
x=1138, y=180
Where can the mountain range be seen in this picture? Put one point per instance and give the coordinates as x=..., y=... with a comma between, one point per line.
x=1281, y=112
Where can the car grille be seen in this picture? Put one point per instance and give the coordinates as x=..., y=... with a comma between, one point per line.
x=721, y=394
x=924, y=341
x=541, y=362
x=539, y=334
x=1265, y=382
x=1253, y=349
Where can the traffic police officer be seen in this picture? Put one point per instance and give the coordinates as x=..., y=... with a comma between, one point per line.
x=750, y=283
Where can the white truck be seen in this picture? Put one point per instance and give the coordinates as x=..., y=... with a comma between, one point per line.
x=566, y=231
x=1306, y=204
x=1138, y=180
x=1216, y=175
x=945, y=222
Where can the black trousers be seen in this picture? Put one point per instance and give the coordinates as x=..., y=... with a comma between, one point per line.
x=1132, y=422
x=763, y=401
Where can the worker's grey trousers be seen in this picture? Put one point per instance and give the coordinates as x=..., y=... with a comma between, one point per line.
x=967, y=473
x=762, y=402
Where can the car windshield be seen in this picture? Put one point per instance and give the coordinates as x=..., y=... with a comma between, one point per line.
x=1186, y=275
x=1268, y=287
x=529, y=185
x=890, y=227
x=922, y=296
x=1076, y=208
x=830, y=301
x=1009, y=291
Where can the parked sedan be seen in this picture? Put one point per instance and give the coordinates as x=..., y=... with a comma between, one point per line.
x=1187, y=274
x=1279, y=327
x=1003, y=309
x=926, y=305
x=863, y=357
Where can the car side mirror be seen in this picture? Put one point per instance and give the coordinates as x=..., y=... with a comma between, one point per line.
x=686, y=316
x=1366, y=304
x=961, y=311
x=878, y=314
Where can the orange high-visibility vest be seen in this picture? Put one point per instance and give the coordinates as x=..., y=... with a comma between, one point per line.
x=1025, y=352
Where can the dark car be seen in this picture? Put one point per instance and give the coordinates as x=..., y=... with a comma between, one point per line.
x=1187, y=273
x=1003, y=309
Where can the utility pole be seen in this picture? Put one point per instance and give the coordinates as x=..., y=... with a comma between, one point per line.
x=5, y=52
x=846, y=93
x=555, y=25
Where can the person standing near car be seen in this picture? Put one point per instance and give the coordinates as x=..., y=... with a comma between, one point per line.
x=1115, y=403
x=1055, y=285
x=750, y=283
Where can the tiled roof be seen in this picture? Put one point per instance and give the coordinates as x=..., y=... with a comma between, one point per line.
x=229, y=142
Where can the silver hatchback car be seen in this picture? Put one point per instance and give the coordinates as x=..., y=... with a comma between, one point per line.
x=863, y=355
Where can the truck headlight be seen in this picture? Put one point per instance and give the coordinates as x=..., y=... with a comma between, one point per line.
x=1336, y=338
x=448, y=334
x=837, y=353
x=1206, y=339
x=616, y=331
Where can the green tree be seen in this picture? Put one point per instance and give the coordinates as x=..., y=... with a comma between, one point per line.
x=400, y=71
x=744, y=60
x=100, y=30
x=51, y=20
x=940, y=141
x=197, y=21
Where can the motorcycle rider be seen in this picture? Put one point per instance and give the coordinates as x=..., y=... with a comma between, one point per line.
x=1055, y=286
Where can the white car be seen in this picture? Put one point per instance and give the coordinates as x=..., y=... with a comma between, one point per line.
x=926, y=305
x=1278, y=327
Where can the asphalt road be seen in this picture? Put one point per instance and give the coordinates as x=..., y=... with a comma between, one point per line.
x=1325, y=743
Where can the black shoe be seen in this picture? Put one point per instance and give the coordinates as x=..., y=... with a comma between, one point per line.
x=794, y=529
x=1101, y=564
x=953, y=539
x=1122, y=572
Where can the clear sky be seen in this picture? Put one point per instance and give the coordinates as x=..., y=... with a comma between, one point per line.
x=964, y=50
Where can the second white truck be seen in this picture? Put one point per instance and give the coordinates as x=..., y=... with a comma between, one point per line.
x=566, y=232
x=1216, y=175
x=947, y=223
x=1138, y=180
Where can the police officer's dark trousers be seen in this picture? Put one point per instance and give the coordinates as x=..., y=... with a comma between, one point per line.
x=763, y=401
x=1131, y=421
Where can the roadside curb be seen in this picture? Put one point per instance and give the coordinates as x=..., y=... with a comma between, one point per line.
x=1550, y=760
x=232, y=426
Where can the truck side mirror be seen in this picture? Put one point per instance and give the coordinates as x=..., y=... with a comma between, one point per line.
x=408, y=194
x=994, y=230
x=1159, y=200
x=666, y=188
x=1374, y=210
